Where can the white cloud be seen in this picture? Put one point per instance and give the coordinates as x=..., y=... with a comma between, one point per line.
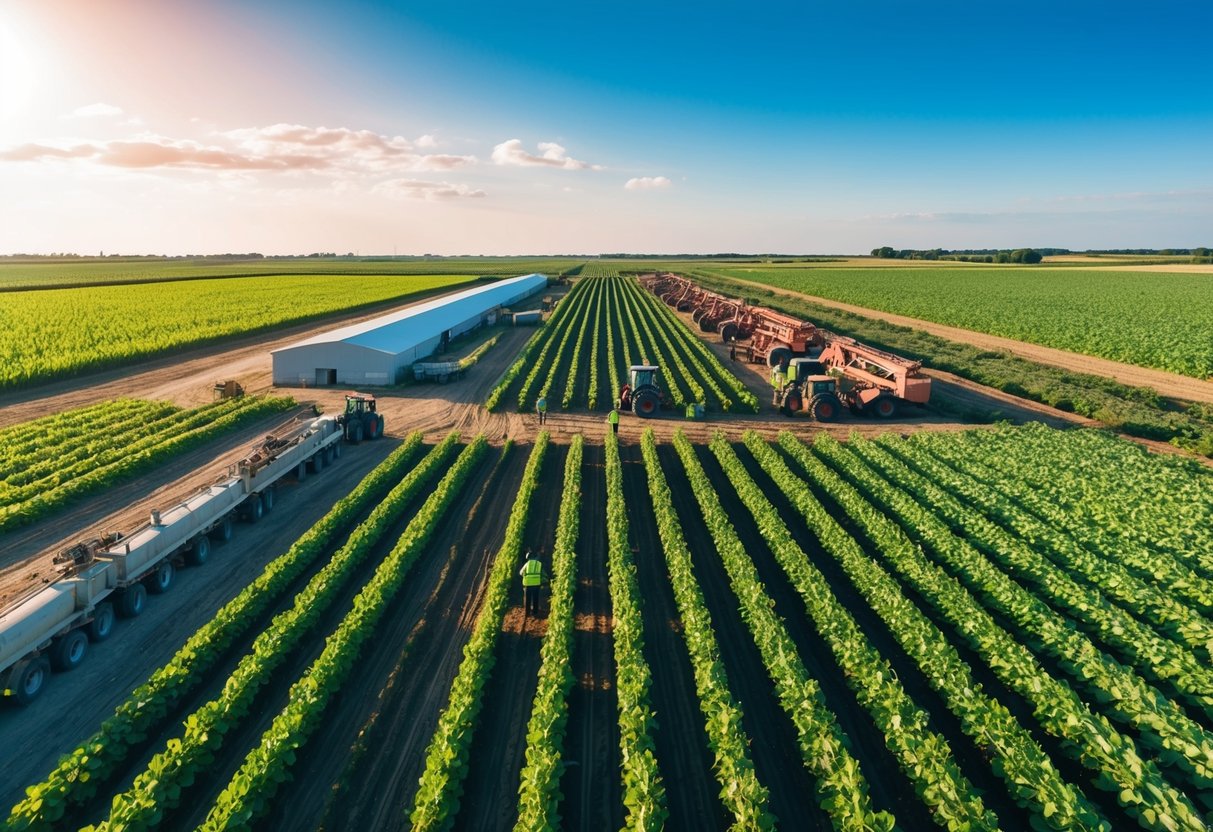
x=98, y=110
x=427, y=140
x=419, y=189
x=511, y=152
x=647, y=183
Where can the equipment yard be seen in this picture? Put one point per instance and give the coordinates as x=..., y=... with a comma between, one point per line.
x=752, y=617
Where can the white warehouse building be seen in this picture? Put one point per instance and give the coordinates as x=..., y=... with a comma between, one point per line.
x=380, y=351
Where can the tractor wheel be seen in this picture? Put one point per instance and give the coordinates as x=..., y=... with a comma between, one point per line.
x=28, y=679
x=646, y=403
x=102, y=625
x=355, y=433
x=132, y=601
x=885, y=407
x=223, y=532
x=379, y=425
x=163, y=577
x=199, y=551
x=779, y=356
x=792, y=403
x=69, y=650
x=825, y=407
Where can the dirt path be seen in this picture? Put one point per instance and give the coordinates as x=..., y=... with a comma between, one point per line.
x=591, y=784
x=370, y=751
x=74, y=704
x=490, y=796
x=1167, y=384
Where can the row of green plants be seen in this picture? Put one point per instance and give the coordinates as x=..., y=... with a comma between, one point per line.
x=1154, y=655
x=573, y=338
x=597, y=330
x=446, y=760
x=1162, y=569
x=644, y=795
x=702, y=360
x=159, y=788
x=128, y=457
x=1102, y=482
x=741, y=792
x=842, y=788
x=544, y=340
x=1167, y=614
x=683, y=387
x=570, y=387
x=42, y=338
x=81, y=773
x=1088, y=737
x=249, y=794
x=28, y=443
x=539, y=782
x=1031, y=777
x=925, y=756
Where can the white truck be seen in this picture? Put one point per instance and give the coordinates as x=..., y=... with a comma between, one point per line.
x=51, y=626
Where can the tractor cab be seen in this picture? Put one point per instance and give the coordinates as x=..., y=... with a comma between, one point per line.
x=642, y=395
x=818, y=385
x=800, y=369
x=360, y=421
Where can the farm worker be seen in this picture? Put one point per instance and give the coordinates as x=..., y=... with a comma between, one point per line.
x=778, y=379
x=613, y=420
x=532, y=581
x=541, y=409
x=732, y=349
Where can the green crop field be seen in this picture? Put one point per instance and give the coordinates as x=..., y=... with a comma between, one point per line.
x=1152, y=319
x=59, y=332
x=18, y=275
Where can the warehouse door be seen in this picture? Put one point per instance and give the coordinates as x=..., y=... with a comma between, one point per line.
x=325, y=376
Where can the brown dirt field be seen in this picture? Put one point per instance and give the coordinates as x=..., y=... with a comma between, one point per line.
x=1167, y=384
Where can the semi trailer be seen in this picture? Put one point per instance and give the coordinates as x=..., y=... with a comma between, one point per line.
x=51, y=626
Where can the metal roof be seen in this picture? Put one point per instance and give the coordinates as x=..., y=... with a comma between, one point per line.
x=403, y=330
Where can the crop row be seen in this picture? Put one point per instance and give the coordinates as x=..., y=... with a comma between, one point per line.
x=56, y=481
x=539, y=782
x=159, y=787
x=27, y=443
x=84, y=770
x=1138, y=784
x=842, y=788
x=42, y=337
x=925, y=756
x=644, y=792
x=740, y=788
x=446, y=759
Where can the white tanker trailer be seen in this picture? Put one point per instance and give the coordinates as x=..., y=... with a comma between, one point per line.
x=52, y=625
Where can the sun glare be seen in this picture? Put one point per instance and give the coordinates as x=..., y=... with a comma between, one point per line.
x=19, y=67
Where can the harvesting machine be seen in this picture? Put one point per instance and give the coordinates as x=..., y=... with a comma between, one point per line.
x=865, y=379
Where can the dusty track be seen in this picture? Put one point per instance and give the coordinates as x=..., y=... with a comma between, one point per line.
x=1167, y=384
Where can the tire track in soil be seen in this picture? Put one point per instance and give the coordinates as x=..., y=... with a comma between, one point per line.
x=682, y=750
x=74, y=704
x=591, y=785
x=940, y=719
x=360, y=770
x=773, y=748
x=490, y=797
x=272, y=697
x=890, y=788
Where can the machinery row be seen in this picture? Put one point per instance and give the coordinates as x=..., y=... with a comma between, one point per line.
x=813, y=370
x=102, y=578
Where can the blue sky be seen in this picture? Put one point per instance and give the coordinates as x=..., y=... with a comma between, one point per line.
x=792, y=127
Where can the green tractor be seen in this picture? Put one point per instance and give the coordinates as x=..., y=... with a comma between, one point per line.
x=809, y=389
x=642, y=395
x=360, y=421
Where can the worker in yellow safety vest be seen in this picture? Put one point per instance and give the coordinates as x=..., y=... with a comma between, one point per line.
x=779, y=377
x=613, y=420
x=532, y=583
x=541, y=408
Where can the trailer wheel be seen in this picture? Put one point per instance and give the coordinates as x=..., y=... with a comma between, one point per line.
x=728, y=332
x=223, y=532
x=316, y=462
x=268, y=496
x=102, y=625
x=132, y=601
x=255, y=508
x=301, y=471
x=779, y=356
x=199, y=551
x=28, y=679
x=69, y=650
x=336, y=450
x=885, y=407
x=162, y=579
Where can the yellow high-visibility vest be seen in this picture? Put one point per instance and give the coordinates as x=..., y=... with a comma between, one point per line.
x=613, y=417
x=532, y=573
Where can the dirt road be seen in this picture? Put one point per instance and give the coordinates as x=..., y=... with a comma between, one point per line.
x=1167, y=384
